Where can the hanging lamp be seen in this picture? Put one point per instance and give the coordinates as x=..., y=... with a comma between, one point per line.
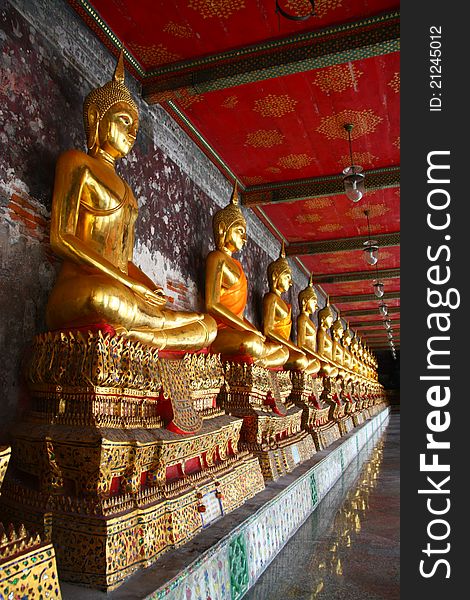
x=371, y=247
x=383, y=309
x=292, y=17
x=353, y=179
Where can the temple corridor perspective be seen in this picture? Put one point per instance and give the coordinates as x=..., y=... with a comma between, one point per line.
x=200, y=291
x=349, y=547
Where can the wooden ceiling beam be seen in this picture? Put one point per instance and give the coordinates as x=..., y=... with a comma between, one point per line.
x=363, y=313
x=374, y=36
x=316, y=187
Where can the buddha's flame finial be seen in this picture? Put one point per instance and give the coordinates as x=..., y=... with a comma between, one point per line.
x=310, y=281
x=283, y=250
x=119, y=70
x=235, y=198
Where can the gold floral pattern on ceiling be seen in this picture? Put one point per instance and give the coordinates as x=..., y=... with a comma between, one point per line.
x=264, y=138
x=359, y=158
x=330, y=227
x=384, y=255
x=294, y=161
x=216, y=8
x=332, y=261
x=179, y=31
x=255, y=180
x=337, y=78
x=273, y=170
x=364, y=121
x=307, y=218
x=394, y=83
x=376, y=210
x=230, y=102
x=397, y=142
x=154, y=55
x=275, y=106
x=299, y=8
x=319, y=203
x=378, y=228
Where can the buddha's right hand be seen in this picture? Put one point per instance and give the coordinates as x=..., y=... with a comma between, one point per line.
x=155, y=298
x=260, y=335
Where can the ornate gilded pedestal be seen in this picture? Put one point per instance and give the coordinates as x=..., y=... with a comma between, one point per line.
x=27, y=563
x=307, y=392
x=272, y=425
x=342, y=413
x=116, y=452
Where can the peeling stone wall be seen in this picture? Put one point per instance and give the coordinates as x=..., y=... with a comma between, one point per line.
x=49, y=61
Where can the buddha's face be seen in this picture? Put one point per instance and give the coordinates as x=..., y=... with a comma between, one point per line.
x=118, y=130
x=235, y=237
x=284, y=281
x=311, y=305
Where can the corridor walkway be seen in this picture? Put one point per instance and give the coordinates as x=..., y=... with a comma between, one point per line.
x=348, y=549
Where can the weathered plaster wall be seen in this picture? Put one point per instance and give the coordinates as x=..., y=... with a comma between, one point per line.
x=48, y=63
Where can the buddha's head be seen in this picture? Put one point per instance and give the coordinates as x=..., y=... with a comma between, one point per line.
x=308, y=298
x=279, y=273
x=347, y=336
x=111, y=116
x=325, y=316
x=337, y=328
x=229, y=226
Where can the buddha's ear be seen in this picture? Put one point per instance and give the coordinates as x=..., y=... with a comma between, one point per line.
x=93, y=124
x=221, y=231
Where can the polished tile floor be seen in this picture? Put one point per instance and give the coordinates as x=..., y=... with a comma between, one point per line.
x=348, y=549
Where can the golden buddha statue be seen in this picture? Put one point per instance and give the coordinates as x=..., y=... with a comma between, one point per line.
x=277, y=316
x=92, y=229
x=306, y=330
x=354, y=346
x=226, y=293
x=337, y=350
x=347, y=355
x=324, y=341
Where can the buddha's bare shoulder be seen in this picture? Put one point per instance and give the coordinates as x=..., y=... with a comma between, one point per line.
x=75, y=158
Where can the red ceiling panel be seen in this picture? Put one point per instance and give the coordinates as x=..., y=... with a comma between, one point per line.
x=335, y=217
x=342, y=262
x=359, y=287
x=366, y=305
x=159, y=32
x=292, y=127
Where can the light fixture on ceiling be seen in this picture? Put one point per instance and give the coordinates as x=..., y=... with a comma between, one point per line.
x=371, y=247
x=291, y=17
x=353, y=179
x=383, y=309
x=378, y=288
x=378, y=285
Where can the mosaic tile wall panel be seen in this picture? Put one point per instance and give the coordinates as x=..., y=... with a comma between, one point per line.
x=234, y=564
